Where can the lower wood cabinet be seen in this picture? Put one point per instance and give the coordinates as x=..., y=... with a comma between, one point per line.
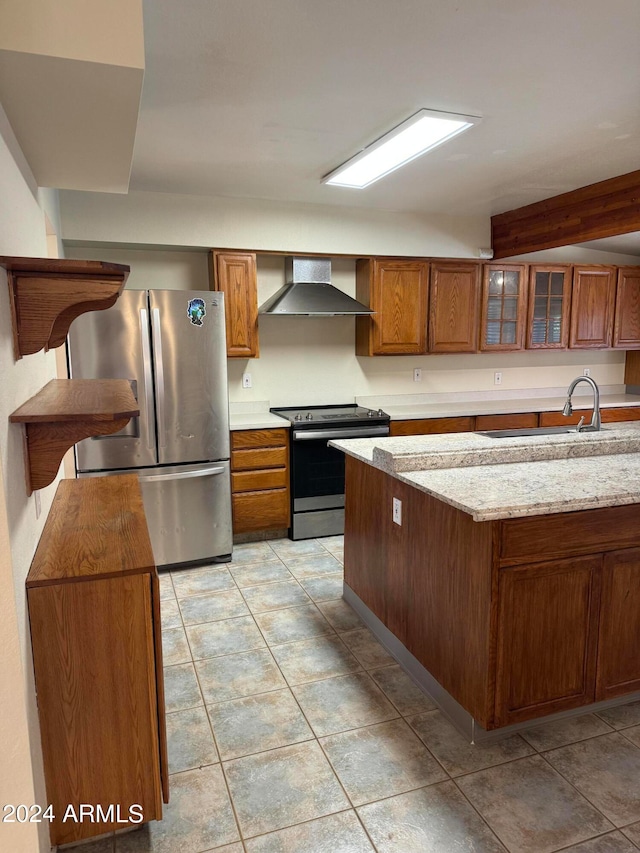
x=427, y=426
x=94, y=610
x=547, y=634
x=260, y=480
x=516, y=618
x=619, y=641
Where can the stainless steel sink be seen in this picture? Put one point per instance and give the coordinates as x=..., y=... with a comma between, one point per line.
x=514, y=433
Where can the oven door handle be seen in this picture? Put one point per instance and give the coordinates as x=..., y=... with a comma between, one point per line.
x=362, y=432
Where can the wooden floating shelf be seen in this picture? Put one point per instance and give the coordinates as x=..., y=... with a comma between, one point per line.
x=64, y=412
x=47, y=294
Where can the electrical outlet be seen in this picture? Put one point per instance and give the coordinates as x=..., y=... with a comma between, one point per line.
x=497, y=378
x=397, y=511
x=246, y=380
x=417, y=374
x=36, y=496
x=586, y=371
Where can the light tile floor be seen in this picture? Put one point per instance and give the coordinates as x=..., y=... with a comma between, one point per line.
x=291, y=730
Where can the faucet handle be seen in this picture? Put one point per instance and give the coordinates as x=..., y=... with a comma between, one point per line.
x=580, y=422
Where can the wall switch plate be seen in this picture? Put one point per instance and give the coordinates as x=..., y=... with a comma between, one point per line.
x=586, y=371
x=417, y=374
x=37, y=501
x=497, y=378
x=246, y=380
x=397, y=511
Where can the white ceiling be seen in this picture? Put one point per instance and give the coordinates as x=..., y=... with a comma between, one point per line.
x=259, y=99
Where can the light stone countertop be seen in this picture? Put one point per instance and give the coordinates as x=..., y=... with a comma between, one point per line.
x=256, y=420
x=513, y=477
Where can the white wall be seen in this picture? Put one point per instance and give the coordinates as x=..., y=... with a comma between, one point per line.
x=153, y=269
x=22, y=232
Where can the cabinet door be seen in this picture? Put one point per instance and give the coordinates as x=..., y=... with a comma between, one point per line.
x=549, y=303
x=608, y=416
x=619, y=641
x=504, y=307
x=547, y=631
x=397, y=291
x=235, y=275
x=453, y=315
x=592, y=304
x=626, y=327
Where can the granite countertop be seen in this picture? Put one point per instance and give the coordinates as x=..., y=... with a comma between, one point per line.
x=513, y=477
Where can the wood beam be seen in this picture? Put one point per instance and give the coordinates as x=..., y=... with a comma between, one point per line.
x=599, y=210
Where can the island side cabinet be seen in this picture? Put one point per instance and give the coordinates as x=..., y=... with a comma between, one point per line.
x=94, y=609
x=517, y=618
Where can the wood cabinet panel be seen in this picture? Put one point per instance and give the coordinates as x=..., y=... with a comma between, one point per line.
x=592, y=307
x=524, y=420
x=101, y=629
x=235, y=275
x=251, y=481
x=430, y=426
x=626, y=326
x=264, y=457
x=548, y=621
x=607, y=416
x=504, y=307
x=542, y=537
x=93, y=597
x=258, y=438
x=619, y=641
x=454, y=302
x=261, y=510
x=397, y=290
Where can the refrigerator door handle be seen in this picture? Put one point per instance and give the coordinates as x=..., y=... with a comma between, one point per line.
x=147, y=378
x=184, y=475
x=159, y=365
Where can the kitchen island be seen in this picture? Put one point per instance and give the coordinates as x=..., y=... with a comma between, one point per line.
x=511, y=588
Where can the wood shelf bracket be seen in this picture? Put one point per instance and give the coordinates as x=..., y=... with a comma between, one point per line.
x=47, y=295
x=64, y=412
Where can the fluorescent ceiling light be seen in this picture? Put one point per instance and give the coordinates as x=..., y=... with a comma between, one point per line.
x=423, y=131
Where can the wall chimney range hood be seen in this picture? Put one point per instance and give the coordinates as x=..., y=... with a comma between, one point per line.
x=309, y=292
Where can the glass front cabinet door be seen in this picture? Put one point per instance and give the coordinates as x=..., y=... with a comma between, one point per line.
x=549, y=304
x=504, y=307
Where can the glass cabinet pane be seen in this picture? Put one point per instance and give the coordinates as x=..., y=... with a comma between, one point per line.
x=510, y=308
x=557, y=283
x=542, y=283
x=494, y=308
x=508, y=333
x=504, y=308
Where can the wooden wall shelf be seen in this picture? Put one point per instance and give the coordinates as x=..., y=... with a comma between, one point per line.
x=64, y=412
x=47, y=294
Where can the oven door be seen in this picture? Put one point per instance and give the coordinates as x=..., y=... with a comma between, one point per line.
x=317, y=479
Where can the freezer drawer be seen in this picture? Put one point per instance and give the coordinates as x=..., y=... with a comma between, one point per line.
x=188, y=510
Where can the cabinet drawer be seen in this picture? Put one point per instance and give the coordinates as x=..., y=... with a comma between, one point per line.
x=266, y=510
x=590, y=531
x=258, y=438
x=428, y=426
x=521, y=421
x=266, y=457
x=252, y=481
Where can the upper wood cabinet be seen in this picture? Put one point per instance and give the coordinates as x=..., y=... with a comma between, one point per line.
x=454, y=302
x=234, y=273
x=549, y=306
x=592, y=306
x=397, y=290
x=626, y=326
x=504, y=307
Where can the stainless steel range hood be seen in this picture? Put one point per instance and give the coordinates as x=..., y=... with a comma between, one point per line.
x=309, y=292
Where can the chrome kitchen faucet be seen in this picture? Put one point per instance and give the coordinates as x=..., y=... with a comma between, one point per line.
x=568, y=408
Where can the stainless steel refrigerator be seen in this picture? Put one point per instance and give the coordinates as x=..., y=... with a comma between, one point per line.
x=170, y=345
